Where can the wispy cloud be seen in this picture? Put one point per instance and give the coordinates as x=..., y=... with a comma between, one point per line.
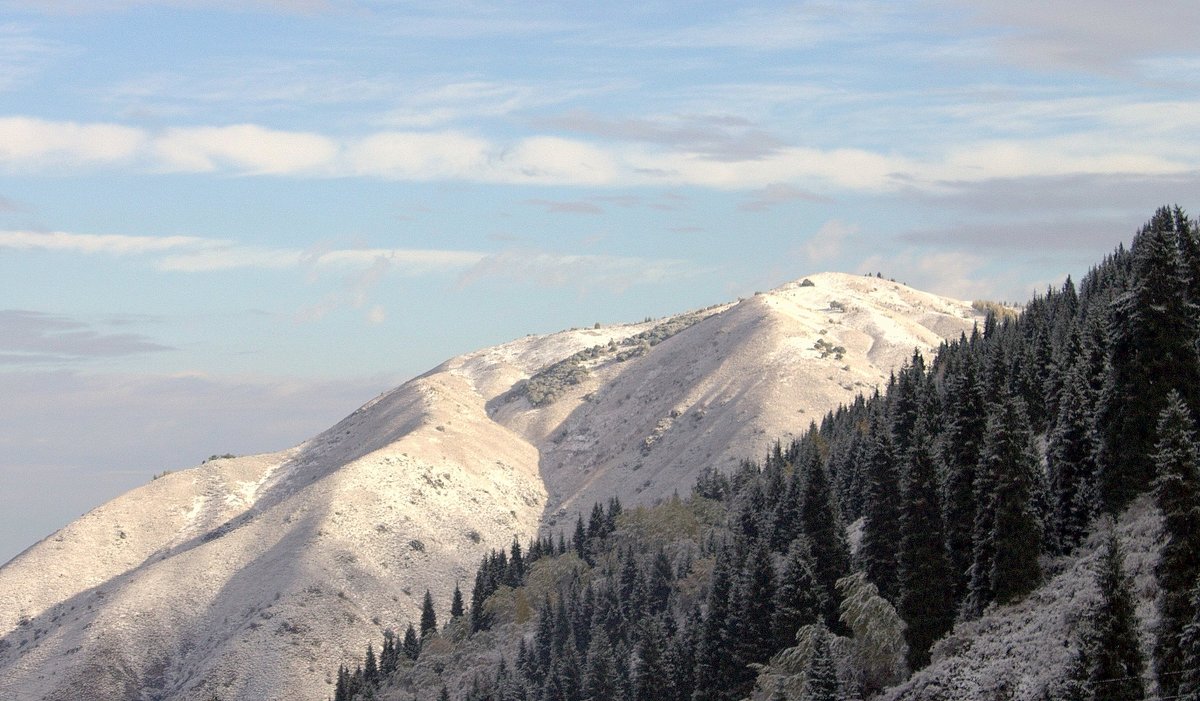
x=566, y=206
x=1092, y=35
x=776, y=194
x=581, y=272
x=113, y=244
x=31, y=337
x=23, y=54
x=34, y=143
x=826, y=245
x=721, y=137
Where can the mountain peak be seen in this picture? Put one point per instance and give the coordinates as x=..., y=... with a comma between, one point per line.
x=253, y=576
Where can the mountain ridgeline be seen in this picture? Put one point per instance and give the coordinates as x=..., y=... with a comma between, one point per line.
x=858, y=559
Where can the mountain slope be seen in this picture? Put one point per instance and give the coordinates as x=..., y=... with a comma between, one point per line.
x=245, y=577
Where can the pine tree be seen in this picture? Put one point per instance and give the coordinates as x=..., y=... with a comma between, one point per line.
x=752, y=635
x=371, y=667
x=712, y=647
x=821, y=682
x=880, y=537
x=1176, y=491
x=428, y=617
x=411, y=645
x=1111, y=652
x=444, y=694
x=1071, y=465
x=826, y=536
x=456, y=604
x=961, y=440
x=1153, y=351
x=1008, y=529
x=924, y=570
x=1189, y=644
x=799, y=599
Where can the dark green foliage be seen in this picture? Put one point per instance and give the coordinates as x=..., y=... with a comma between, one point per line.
x=752, y=635
x=1008, y=529
x=1176, y=492
x=1111, y=653
x=1153, y=331
x=1071, y=464
x=371, y=667
x=411, y=645
x=799, y=600
x=456, y=603
x=712, y=666
x=925, y=575
x=881, y=512
x=966, y=422
x=826, y=535
x=822, y=683
x=1189, y=644
x=428, y=616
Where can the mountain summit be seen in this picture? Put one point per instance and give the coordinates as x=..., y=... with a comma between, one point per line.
x=249, y=578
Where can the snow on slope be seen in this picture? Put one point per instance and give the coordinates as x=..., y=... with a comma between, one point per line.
x=253, y=577
x=1018, y=652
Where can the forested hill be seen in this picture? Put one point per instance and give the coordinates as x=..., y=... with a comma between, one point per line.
x=832, y=568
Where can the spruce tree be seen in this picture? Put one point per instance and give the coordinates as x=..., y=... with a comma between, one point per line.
x=428, y=616
x=799, y=599
x=961, y=439
x=1153, y=351
x=712, y=667
x=1111, y=651
x=371, y=667
x=881, y=511
x=456, y=604
x=1189, y=644
x=1071, y=464
x=411, y=645
x=821, y=681
x=1008, y=529
x=752, y=635
x=1176, y=492
x=925, y=574
x=600, y=671
x=826, y=536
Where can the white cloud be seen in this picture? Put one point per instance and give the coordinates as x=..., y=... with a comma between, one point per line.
x=36, y=143
x=582, y=272
x=419, y=155
x=115, y=244
x=247, y=148
x=826, y=245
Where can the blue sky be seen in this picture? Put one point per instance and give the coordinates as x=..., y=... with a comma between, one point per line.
x=225, y=224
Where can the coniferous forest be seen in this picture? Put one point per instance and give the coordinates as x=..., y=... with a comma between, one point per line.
x=831, y=568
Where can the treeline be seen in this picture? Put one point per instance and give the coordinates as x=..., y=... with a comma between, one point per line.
x=1011, y=444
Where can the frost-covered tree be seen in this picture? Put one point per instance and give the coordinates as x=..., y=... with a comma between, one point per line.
x=1177, y=494
x=1153, y=335
x=821, y=682
x=924, y=574
x=1008, y=528
x=428, y=616
x=799, y=600
x=881, y=512
x=823, y=528
x=1071, y=463
x=877, y=633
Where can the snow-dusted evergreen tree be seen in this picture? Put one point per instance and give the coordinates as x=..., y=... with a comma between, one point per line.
x=961, y=440
x=925, y=576
x=877, y=634
x=1071, y=463
x=1177, y=494
x=1189, y=646
x=1008, y=530
x=600, y=672
x=753, y=612
x=826, y=536
x=428, y=616
x=799, y=600
x=881, y=511
x=822, y=682
x=1153, y=350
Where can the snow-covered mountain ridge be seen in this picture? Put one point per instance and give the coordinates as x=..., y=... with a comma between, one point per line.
x=246, y=577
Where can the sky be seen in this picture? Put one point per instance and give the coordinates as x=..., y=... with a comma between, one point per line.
x=225, y=224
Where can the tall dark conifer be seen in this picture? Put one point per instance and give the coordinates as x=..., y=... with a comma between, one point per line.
x=881, y=511
x=1008, y=528
x=924, y=572
x=1177, y=494
x=799, y=599
x=1071, y=464
x=961, y=440
x=1153, y=332
x=428, y=616
x=1112, y=654
x=826, y=536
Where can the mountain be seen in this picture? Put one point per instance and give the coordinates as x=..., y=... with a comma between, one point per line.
x=244, y=578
